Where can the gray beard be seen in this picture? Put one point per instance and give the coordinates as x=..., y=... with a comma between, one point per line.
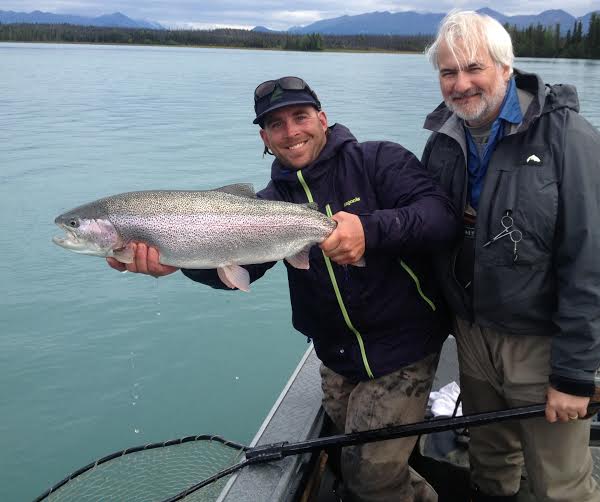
x=489, y=103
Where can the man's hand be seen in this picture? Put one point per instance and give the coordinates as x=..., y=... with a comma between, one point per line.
x=564, y=407
x=346, y=244
x=145, y=261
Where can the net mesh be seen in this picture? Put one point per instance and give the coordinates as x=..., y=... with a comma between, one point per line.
x=153, y=475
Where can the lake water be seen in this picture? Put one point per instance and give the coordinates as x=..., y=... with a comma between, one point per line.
x=94, y=361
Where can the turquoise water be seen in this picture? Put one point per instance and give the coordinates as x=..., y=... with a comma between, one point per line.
x=94, y=361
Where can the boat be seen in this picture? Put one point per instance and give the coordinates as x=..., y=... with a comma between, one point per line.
x=297, y=416
x=293, y=457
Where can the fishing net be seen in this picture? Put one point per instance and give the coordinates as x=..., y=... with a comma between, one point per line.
x=156, y=472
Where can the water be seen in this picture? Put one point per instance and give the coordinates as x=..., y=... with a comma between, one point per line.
x=94, y=361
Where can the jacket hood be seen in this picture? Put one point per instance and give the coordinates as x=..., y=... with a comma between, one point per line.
x=546, y=98
x=337, y=136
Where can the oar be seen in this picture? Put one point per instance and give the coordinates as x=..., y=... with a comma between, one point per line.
x=277, y=451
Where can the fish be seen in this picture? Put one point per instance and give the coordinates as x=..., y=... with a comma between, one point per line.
x=221, y=228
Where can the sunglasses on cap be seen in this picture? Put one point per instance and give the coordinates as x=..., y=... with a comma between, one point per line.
x=286, y=84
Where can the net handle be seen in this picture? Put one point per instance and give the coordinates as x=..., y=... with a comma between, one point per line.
x=277, y=451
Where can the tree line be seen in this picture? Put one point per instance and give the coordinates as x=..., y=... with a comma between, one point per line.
x=534, y=41
x=539, y=41
x=225, y=37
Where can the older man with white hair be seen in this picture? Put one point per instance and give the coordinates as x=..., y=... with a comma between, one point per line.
x=523, y=167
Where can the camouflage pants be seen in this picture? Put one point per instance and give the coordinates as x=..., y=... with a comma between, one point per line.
x=379, y=472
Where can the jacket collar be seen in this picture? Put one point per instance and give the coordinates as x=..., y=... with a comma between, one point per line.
x=338, y=136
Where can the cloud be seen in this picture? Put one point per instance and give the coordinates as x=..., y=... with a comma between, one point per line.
x=297, y=17
x=275, y=14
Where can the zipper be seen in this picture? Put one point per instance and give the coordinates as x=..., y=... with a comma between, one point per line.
x=414, y=277
x=336, y=288
x=488, y=228
x=491, y=206
x=465, y=298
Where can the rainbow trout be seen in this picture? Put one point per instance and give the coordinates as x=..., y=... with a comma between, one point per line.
x=222, y=228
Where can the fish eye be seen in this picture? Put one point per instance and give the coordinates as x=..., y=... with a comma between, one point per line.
x=73, y=223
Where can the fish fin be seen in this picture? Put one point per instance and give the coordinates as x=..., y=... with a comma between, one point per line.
x=312, y=205
x=124, y=255
x=234, y=276
x=360, y=263
x=239, y=189
x=300, y=259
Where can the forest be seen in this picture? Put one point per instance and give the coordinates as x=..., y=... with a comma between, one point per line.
x=534, y=41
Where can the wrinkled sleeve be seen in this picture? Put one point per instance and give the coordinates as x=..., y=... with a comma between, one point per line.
x=576, y=350
x=415, y=214
x=210, y=277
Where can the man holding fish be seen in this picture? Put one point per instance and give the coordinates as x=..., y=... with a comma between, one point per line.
x=377, y=325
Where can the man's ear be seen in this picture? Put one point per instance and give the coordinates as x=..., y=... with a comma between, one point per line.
x=323, y=119
x=265, y=137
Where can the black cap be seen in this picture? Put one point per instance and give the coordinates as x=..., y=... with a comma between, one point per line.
x=280, y=98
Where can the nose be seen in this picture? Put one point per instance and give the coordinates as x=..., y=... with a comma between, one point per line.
x=291, y=128
x=462, y=82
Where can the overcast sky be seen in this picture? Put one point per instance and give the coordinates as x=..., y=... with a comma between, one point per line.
x=276, y=15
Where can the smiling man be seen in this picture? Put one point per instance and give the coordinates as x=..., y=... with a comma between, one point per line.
x=524, y=283
x=377, y=329
x=378, y=326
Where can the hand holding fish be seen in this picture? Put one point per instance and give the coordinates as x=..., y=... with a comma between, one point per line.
x=346, y=244
x=145, y=261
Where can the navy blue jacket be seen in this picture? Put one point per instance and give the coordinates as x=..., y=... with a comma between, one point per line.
x=389, y=313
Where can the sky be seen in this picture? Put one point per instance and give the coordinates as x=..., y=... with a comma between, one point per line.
x=277, y=15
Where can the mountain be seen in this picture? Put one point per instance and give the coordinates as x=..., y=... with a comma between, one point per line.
x=375, y=23
x=414, y=23
x=547, y=18
x=108, y=20
x=263, y=29
x=585, y=21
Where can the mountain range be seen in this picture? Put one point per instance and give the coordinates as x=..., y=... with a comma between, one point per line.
x=414, y=23
x=372, y=23
x=117, y=19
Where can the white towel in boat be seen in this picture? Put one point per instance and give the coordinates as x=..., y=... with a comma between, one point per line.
x=443, y=401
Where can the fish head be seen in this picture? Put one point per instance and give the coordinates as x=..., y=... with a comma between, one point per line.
x=87, y=232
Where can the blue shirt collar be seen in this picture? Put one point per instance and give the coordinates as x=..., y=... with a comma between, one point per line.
x=510, y=111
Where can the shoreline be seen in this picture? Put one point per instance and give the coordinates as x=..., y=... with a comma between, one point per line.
x=192, y=46
x=272, y=49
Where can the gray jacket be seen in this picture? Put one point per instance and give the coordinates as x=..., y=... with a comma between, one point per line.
x=545, y=173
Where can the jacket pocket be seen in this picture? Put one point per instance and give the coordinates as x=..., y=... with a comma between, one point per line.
x=529, y=194
x=537, y=205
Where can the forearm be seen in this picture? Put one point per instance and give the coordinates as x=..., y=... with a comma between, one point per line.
x=424, y=225
x=575, y=350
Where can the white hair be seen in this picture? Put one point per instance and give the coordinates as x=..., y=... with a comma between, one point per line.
x=472, y=29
